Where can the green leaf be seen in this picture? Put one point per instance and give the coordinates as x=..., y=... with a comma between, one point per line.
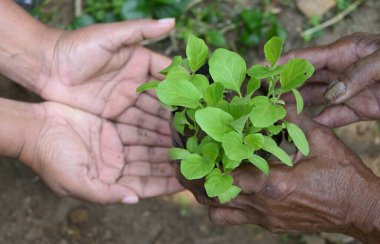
x=228, y=68
x=192, y=144
x=239, y=107
x=178, y=73
x=262, y=72
x=177, y=61
x=214, y=121
x=233, y=146
x=224, y=105
x=274, y=129
x=215, y=38
x=230, y=194
x=298, y=138
x=179, y=122
x=264, y=113
x=206, y=140
x=260, y=163
x=296, y=72
x=271, y=147
x=196, y=52
x=191, y=114
x=253, y=130
x=217, y=183
x=299, y=100
x=195, y=167
x=273, y=49
x=200, y=82
x=256, y=141
x=178, y=153
x=230, y=164
x=252, y=86
x=210, y=151
x=147, y=86
x=178, y=93
x=239, y=124
x=214, y=94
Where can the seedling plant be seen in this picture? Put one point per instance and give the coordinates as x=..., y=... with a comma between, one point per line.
x=226, y=120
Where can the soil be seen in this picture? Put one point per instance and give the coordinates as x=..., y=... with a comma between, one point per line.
x=31, y=213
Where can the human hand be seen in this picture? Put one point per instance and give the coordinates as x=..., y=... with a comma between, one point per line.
x=330, y=190
x=355, y=62
x=85, y=156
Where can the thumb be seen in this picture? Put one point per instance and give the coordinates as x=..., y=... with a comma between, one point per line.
x=355, y=78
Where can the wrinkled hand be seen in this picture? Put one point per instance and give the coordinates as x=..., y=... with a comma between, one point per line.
x=84, y=156
x=323, y=192
x=349, y=67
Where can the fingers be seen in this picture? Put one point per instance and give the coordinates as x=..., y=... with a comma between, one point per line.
x=232, y=216
x=134, y=135
x=158, y=62
x=148, y=169
x=249, y=179
x=152, y=106
x=156, y=154
x=135, y=31
x=312, y=95
x=337, y=116
x=357, y=77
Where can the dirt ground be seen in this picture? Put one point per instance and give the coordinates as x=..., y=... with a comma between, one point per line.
x=31, y=213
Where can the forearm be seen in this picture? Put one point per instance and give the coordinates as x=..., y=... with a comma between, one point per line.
x=24, y=43
x=20, y=124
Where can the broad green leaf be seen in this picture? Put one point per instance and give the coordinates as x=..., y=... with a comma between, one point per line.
x=191, y=114
x=239, y=107
x=296, y=72
x=217, y=183
x=273, y=49
x=178, y=153
x=147, y=86
x=239, y=124
x=179, y=122
x=264, y=113
x=253, y=130
x=206, y=140
x=229, y=163
x=234, y=148
x=230, y=194
x=262, y=72
x=274, y=129
x=177, y=73
x=271, y=147
x=256, y=141
x=210, y=151
x=214, y=94
x=200, y=82
x=178, y=93
x=299, y=100
x=298, y=137
x=177, y=61
x=214, y=121
x=196, y=52
x=260, y=163
x=192, y=144
x=224, y=105
x=228, y=68
x=252, y=86
x=195, y=167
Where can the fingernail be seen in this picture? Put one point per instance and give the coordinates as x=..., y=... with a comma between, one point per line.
x=130, y=200
x=166, y=21
x=335, y=90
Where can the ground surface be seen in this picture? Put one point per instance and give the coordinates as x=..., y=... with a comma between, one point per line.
x=31, y=213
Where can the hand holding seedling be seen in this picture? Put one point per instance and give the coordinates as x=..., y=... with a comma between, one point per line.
x=330, y=190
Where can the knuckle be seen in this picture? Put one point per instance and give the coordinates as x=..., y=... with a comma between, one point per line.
x=216, y=217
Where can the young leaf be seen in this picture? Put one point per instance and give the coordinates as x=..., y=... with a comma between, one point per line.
x=195, y=167
x=274, y=129
x=230, y=194
x=296, y=72
x=260, y=163
x=239, y=124
x=228, y=68
x=147, y=86
x=178, y=93
x=196, y=52
x=271, y=147
x=177, y=61
x=177, y=73
x=298, y=137
x=217, y=183
x=273, y=49
x=210, y=151
x=239, y=107
x=253, y=130
x=262, y=72
x=224, y=105
x=200, y=82
x=252, y=86
x=299, y=100
x=214, y=94
x=230, y=164
x=264, y=113
x=179, y=122
x=234, y=148
x=192, y=144
x=214, y=121
x=256, y=141
x=178, y=153
x=191, y=114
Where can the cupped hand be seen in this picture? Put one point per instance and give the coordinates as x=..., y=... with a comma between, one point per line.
x=88, y=157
